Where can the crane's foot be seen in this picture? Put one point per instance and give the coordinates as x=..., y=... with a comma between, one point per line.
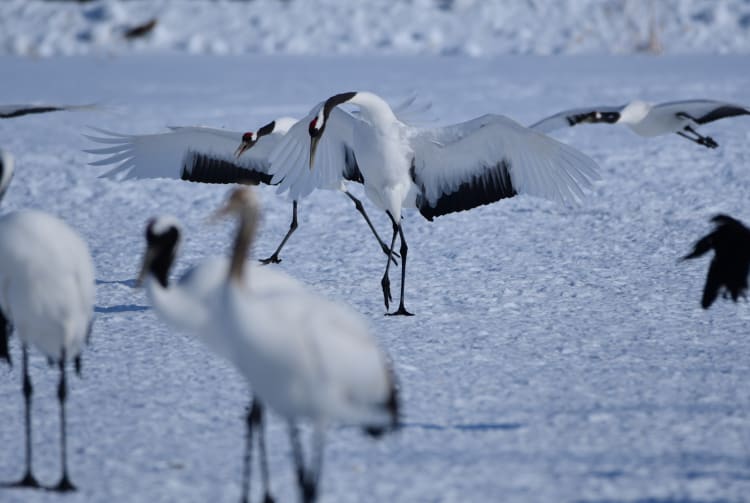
x=28, y=481
x=268, y=498
x=709, y=142
x=64, y=486
x=401, y=311
x=273, y=259
x=386, y=284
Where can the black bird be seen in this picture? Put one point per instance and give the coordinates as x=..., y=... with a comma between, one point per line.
x=729, y=268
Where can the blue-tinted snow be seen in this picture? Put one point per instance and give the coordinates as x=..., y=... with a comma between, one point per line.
x=444, y=27
x=557, y=354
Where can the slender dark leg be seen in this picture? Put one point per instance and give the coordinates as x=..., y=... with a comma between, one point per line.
x=386, y=282
x=274, y=259
x=361, y=209
x=306, y=485
x=256, y=416
x=404, y=249
x=318, y=442
x=247, y=459
x=65, y=485
x=28, y=480
x=706, y=141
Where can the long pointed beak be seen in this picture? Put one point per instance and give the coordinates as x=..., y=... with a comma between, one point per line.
x=313, y=147
x=243, y=146
x=148, y=257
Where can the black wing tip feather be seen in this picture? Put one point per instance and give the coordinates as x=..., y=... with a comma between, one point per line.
x=722, y=112
x=486, y=187
x=730, y=266
x=351, y=169
x=202, y=168
x=30, y=110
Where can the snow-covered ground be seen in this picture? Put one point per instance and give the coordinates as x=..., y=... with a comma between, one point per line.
x=556, y=354
x=446, y=27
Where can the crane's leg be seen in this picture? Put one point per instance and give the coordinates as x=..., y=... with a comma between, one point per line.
x=304, y=480
x=257, y=418
x=361, y=209
x=28, y=480
x=247, y=459
x=386, y=282
x=274, y=259
x=706, y=141
x=404, y=250
x=317, y=461
x=65, y=485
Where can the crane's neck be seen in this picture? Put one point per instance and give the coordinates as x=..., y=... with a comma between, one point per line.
x=161, y=264
x=245, y=234
x=173, y=306
x=374, y=109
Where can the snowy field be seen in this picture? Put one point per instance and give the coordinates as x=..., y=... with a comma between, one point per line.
x=429, y=27
x=557, y=354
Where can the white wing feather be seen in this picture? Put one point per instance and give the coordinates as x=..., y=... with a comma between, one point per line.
x=290, y=160
x=445, y=158
x=160, y=155
x=48, y=281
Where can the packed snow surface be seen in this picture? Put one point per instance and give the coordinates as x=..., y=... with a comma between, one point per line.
x=446, y=27
x=557, y=354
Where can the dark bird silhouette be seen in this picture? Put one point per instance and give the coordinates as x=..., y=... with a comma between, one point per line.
x=140, y=30
x=729, y=268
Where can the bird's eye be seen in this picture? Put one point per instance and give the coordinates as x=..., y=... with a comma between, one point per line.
x=247, y=136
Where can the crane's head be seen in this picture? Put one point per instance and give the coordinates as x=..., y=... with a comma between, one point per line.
x=6, y=171
x=248, y=140
x=162, y=241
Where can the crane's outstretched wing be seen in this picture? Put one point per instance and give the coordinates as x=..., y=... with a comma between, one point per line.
x=490, y=158
x=334, y=160
x=190, y=153
x=13, y=111
x=729, y=268
x=575, y=116
x=701, y=111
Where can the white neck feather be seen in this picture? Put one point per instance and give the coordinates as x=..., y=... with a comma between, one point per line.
x=174, y=307
x=374, y=109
